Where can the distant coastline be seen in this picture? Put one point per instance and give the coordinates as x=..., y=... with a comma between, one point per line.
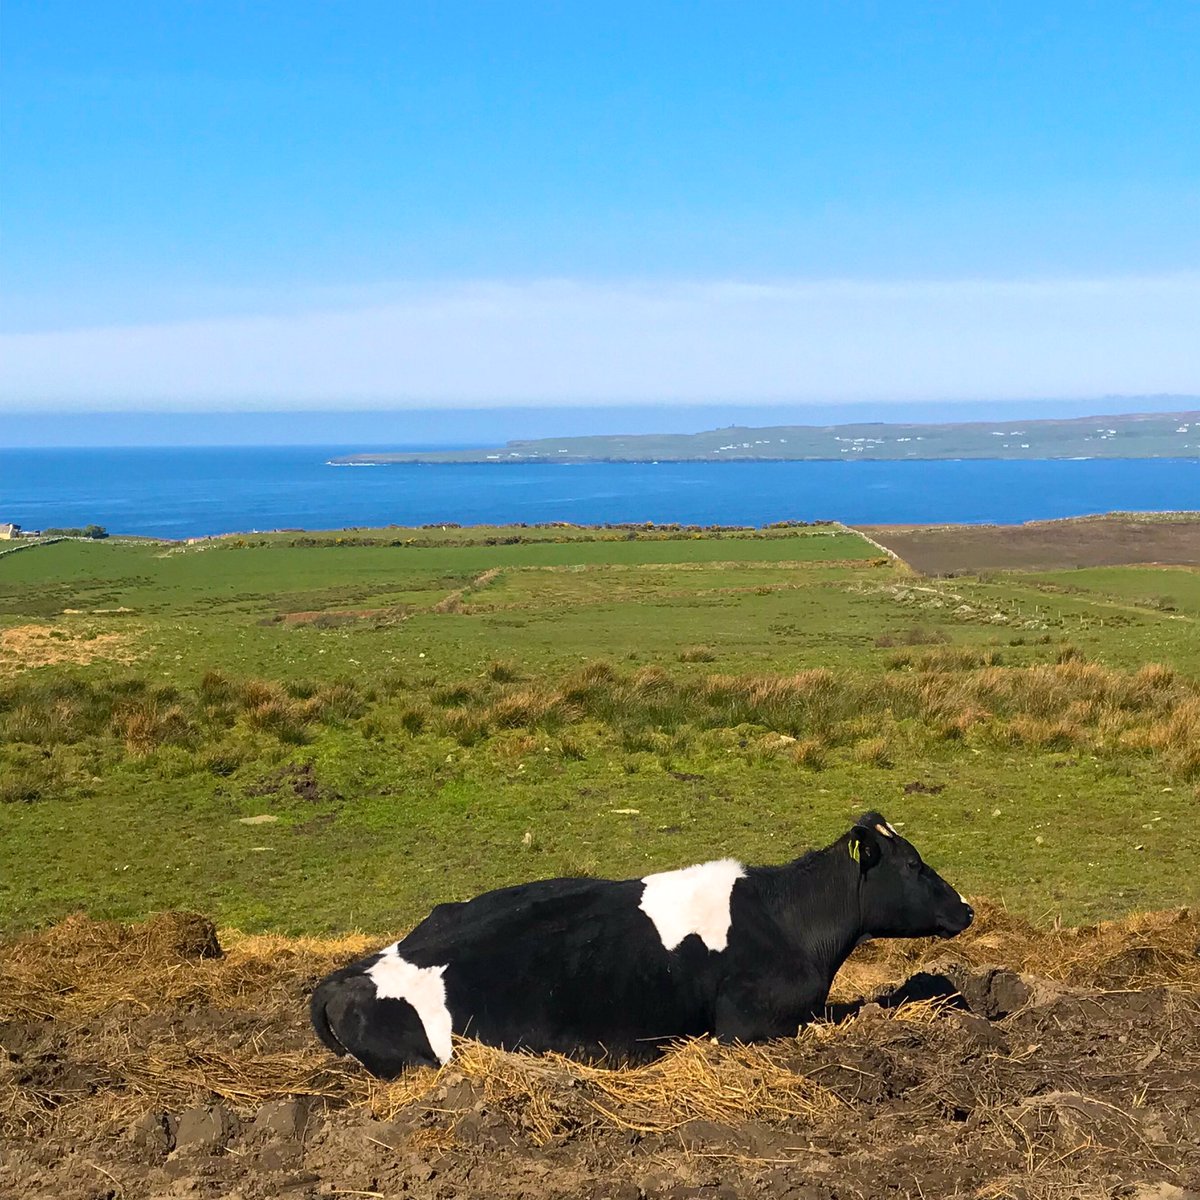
x=1125, y=435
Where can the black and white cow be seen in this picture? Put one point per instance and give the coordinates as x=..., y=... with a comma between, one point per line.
x=599, y=967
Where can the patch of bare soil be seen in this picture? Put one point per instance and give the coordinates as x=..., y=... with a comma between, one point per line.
x=1042, y=545
x=25, y=646
x=145, y=1061
x=294, y=779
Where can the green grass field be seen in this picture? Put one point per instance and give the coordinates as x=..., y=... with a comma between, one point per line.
x=459, y=710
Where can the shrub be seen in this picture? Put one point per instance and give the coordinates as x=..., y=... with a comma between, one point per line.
x=95, y=532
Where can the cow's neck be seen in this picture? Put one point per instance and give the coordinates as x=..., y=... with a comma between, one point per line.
x=817, y=907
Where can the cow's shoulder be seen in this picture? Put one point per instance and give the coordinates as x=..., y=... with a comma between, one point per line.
x=692, y=900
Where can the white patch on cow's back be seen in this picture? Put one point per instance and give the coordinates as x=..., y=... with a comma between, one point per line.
x=395, y=978
x=692, y=900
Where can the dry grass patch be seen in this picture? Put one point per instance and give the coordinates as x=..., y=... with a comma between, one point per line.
x=23, y=647
x=1150, y=949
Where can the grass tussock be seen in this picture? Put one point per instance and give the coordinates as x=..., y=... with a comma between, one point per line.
x=952, y=693
x=945, y=658
x=149, y=722
x=874, y=752
x=948, y=693
x=527, y=706
x=503, y=671
x=143, y=716
x=809, y=752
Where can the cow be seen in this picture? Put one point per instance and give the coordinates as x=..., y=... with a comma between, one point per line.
x=619, y=969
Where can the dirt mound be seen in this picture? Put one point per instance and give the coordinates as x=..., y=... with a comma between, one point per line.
x=144, y=1061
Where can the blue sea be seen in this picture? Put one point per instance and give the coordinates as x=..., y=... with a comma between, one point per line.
x=176, y=493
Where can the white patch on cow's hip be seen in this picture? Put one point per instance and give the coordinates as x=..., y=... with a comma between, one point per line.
x=692, y=900
x=424, y=988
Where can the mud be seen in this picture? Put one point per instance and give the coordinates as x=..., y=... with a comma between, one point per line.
x=149, y=1061
x=1042, y=545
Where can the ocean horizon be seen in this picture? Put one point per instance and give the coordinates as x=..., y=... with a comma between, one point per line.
x=198, y=491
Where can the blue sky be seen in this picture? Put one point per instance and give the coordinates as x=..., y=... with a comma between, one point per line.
x=324, y=204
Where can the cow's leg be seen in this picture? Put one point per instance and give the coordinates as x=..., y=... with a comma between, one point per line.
x=385, y=1035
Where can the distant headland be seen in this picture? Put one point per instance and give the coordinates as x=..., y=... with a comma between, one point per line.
x=1128, y=435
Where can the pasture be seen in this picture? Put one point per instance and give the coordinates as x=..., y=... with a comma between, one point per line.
x=326, y=732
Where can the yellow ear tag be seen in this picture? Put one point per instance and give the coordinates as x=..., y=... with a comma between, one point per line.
x=854, y=849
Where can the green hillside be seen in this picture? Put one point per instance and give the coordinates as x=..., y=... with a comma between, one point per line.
x=1151, y=435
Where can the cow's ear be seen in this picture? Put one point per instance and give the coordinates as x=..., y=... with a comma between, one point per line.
x=864, y=847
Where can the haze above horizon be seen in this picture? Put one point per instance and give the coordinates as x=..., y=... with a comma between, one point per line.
x=432, y=206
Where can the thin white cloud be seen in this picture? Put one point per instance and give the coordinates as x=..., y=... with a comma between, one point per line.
x=576, y=342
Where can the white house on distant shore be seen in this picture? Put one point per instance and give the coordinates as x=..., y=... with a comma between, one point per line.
x=8, y=532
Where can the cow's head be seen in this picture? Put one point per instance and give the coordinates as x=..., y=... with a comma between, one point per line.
x=899, y=895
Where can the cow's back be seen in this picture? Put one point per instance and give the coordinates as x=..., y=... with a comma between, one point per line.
x=565, y=964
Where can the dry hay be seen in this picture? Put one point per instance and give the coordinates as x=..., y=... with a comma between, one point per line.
x=156, y=1016
x=23, y=647
x=1151, y=949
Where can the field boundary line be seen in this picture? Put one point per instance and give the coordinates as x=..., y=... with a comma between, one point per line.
x=866, y=537
x=32, y=542
x=1107, y=600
